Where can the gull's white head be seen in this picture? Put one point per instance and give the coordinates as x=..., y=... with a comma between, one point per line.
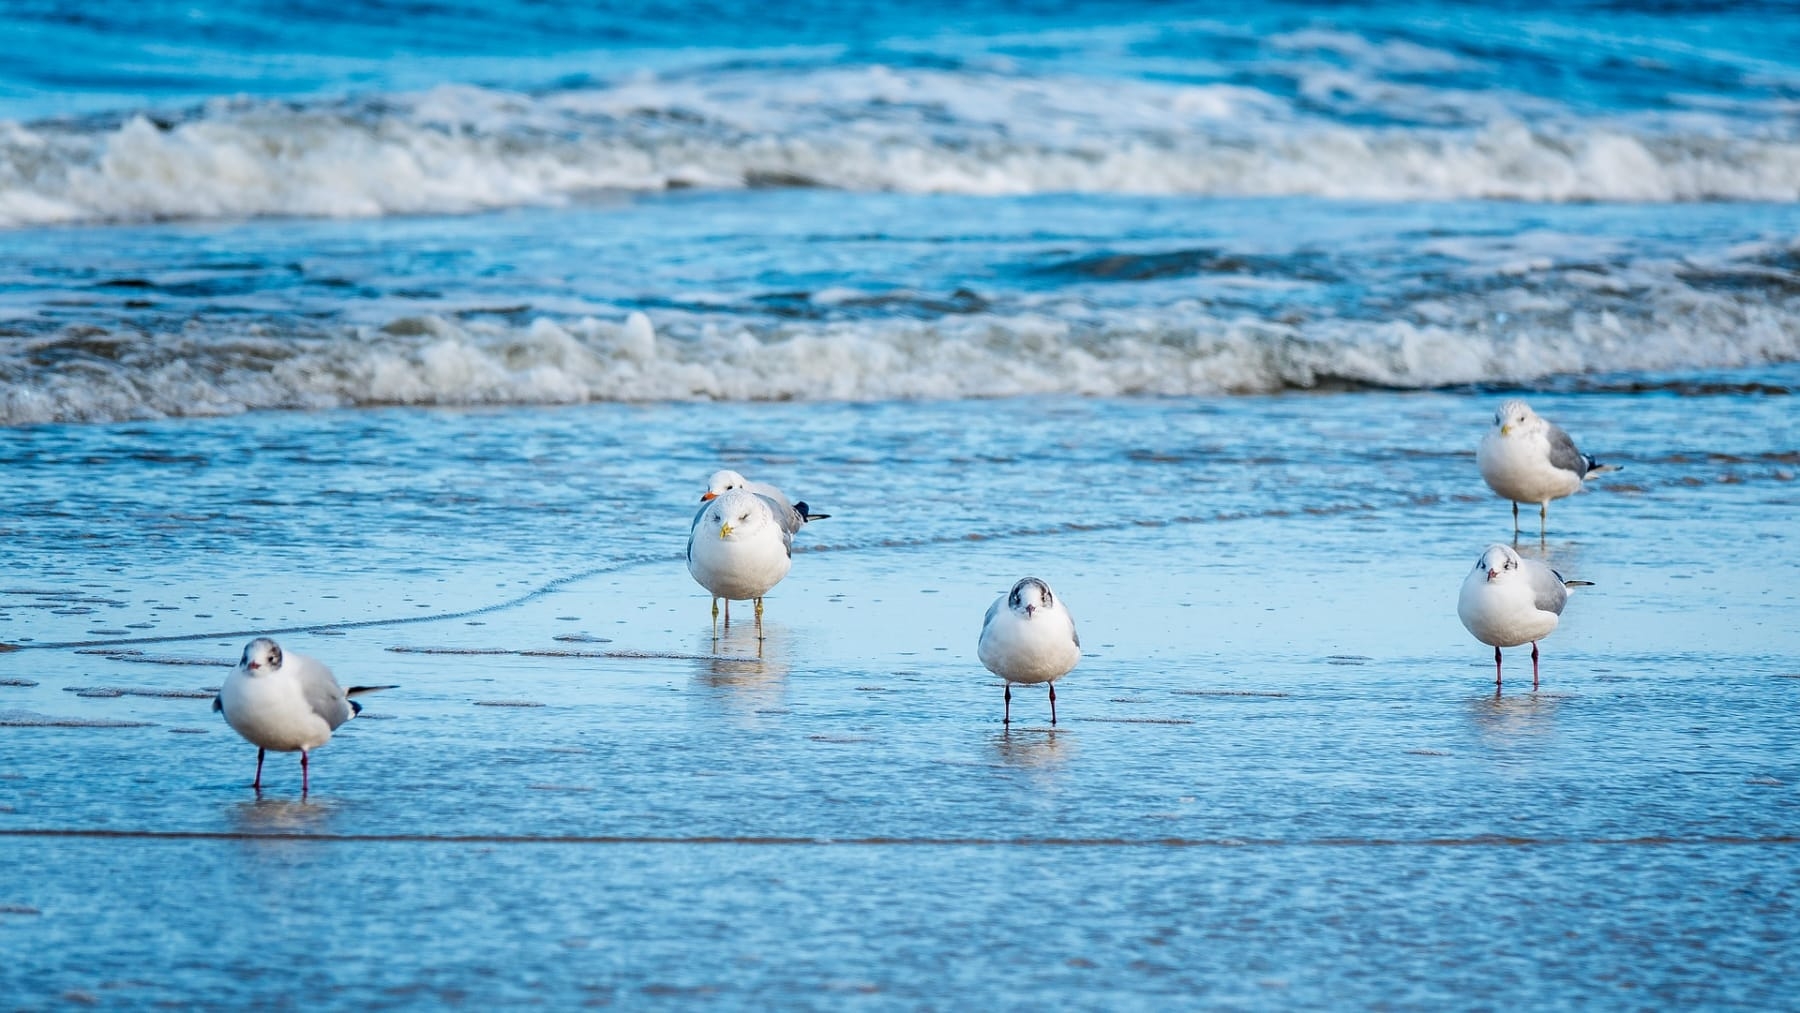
x=1516, y=416
x=1498, y=562
x=737, y=514
x=261, y=656
x=721, y=483
x=1030, y=596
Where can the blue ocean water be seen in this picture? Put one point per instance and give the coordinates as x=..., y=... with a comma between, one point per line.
x=221, y=209
x=409, y=333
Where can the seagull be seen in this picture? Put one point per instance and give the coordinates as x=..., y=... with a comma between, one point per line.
x=1508, y=600
x=1529, y=459
x=738, y=549
x=285, y=701
x=1029, y=637
x=792, y=516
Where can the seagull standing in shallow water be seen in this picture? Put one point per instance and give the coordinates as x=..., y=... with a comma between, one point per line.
x=285, y=701
x=1029, y=637
x=738, y=549
x=1529, y=459
x=1508, y=600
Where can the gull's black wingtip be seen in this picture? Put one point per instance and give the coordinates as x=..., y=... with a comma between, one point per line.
x=1594, y=467
x=802, y=509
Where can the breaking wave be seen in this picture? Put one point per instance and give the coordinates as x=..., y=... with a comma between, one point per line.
x=460, y=148
x=87, y=374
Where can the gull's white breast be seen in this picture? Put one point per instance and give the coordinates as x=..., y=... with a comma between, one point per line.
x=1040, y=649
x=1502, y=613
x=272, y=711
x=1518, y=468
x=739, y=568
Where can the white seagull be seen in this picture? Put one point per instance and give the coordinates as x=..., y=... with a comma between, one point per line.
x=1508, y=600
x=738, y=549
x=1529, y=459
x=1029, y=637
x=792, y=516
x=285, y=701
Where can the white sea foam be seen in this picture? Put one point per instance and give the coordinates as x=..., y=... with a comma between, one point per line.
x=459, y=149
x=1178, y=350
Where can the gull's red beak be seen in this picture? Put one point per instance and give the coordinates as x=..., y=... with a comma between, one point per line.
x=1493, y=573
x=1030, y=610
x=708, y=495
x=254, y=666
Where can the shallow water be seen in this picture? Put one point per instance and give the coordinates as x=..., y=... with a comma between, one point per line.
x=1282, y=774
x=410, y=337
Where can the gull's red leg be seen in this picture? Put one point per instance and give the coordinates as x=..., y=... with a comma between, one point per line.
x=305, y=786
x=1053, y=703
x=1007, y=720
x=1534, y=665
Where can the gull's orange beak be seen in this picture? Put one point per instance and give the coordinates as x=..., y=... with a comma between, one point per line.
x=708, y=495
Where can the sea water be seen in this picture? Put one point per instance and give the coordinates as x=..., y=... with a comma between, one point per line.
x=411, y=339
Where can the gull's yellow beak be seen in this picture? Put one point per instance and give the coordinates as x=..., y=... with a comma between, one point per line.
x=1506, y=430
x=725, y=530
x=708, y=495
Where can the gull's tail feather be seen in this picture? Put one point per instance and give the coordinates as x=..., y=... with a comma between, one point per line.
x=1596, y=468
x=356, y=708
x=801, y=509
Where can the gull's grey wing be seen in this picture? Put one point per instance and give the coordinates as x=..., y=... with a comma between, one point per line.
x=694, y=528
x=1076, y=635
x=773, y=495
x=325, y=696
x=993, y=610
x=785, y=514
x=1563, y=454
x=786, y=517
x=1547, y=589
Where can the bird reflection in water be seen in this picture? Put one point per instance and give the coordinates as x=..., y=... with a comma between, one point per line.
x=280, y=816
x=1032, y=747
x=749, y=671
x=1504, y=719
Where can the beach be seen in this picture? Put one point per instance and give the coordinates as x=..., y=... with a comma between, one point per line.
x=420, y=364
x=1282, y=770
